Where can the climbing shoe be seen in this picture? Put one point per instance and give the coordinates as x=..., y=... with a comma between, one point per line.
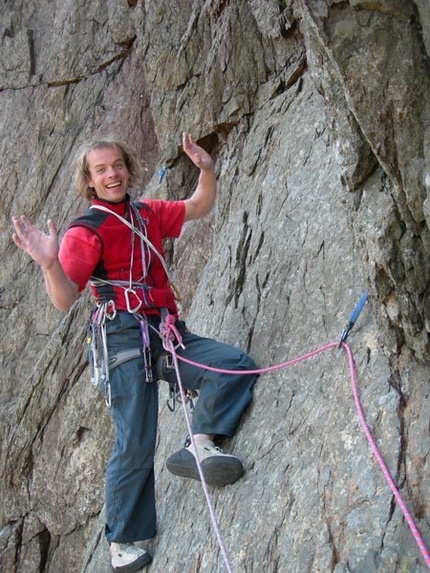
x=127, y=558
x=218, y=468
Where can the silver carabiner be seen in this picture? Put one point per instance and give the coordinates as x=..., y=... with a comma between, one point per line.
x=108, y=392
x=127, y=292
x=111, y=314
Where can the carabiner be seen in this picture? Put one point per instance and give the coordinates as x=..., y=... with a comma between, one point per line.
x=172, y=398
x=108, y=394
x=111, y=314
x=127, y=291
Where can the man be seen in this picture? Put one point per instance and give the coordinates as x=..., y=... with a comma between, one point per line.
x=116, y=247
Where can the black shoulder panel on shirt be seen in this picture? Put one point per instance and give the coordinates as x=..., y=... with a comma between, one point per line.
x=91, y=219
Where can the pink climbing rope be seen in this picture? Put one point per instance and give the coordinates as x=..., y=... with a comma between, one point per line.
x=381, y=462
x=361, y=417
x=262, y=370
x=168, y=343
x=168, y=334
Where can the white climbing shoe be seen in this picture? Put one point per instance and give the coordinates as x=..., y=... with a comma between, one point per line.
x=126, y=557
x=219, y=469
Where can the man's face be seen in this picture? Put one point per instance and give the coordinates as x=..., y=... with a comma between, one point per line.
x=108, y=174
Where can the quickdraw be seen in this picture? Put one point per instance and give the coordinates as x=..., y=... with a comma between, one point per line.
x=97, y=345
x=166, y=371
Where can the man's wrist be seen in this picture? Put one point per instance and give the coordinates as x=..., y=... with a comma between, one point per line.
x=208, y=170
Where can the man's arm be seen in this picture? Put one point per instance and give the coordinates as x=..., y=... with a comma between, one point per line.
x=44, y=250
x=203, y=198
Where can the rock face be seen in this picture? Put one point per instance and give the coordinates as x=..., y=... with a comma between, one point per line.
x=317, y=115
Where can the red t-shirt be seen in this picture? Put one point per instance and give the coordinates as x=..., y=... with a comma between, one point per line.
x=99, y=245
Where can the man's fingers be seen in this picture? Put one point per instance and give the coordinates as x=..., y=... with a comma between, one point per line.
x=188, y=142
x=21, y=223
x=25, y=221
x=52, y=228
x=191, y=149
x=23, y=226
x=17, y=240
x=19, y=227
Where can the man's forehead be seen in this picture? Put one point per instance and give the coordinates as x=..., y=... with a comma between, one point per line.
x=102, y=155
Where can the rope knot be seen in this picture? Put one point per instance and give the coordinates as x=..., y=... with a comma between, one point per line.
x=169, y=333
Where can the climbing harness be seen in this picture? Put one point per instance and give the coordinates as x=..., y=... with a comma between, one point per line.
x=354, y=315
x=124, y=356
x=101, y=363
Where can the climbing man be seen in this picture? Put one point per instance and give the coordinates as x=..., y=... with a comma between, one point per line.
x=116, y=247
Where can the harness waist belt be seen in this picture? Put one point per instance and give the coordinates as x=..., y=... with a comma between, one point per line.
x=135, y=297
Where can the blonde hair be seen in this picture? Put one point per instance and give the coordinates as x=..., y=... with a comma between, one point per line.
x=83, y=172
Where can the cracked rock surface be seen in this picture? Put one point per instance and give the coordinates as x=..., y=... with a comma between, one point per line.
x=317, y=115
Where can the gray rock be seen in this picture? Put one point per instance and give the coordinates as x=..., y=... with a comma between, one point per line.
x=317, y=116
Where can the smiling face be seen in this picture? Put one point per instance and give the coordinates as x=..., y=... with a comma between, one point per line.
x=108, y=174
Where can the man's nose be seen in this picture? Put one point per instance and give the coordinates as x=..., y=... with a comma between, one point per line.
x=111, y=172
